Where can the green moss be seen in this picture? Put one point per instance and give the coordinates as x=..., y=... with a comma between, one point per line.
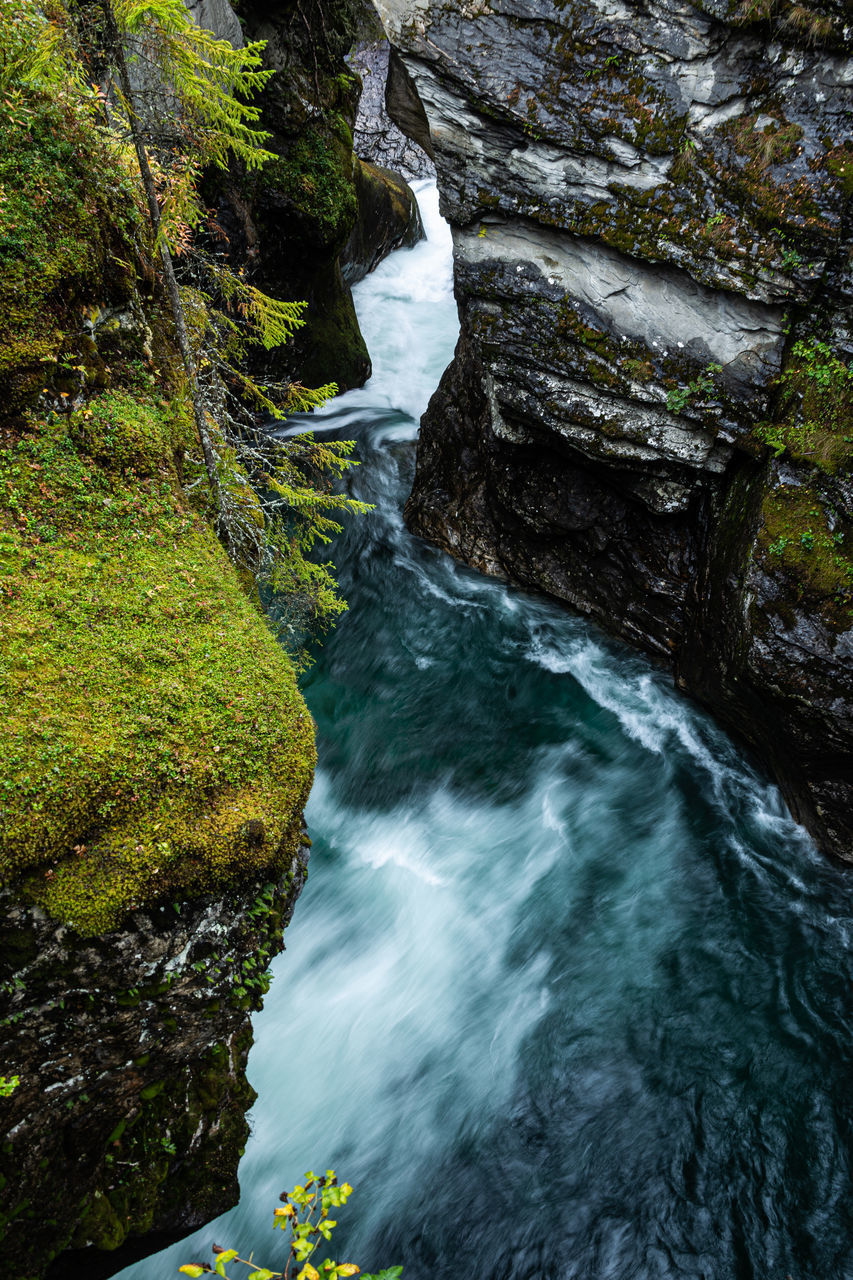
x=776, y=143
x=153, y=738
x=804, y=537
x=839, y=162
x=316, y=177
x=814, y=422
x=570, y=325
x=66, y=212
x=123, y=434
x=639, y=370
x=337, y=348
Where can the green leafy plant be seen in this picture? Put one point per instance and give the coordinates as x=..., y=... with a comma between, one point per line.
x=702, y=385
x=8, y=1085
x=305, y=1217
x=814, y=409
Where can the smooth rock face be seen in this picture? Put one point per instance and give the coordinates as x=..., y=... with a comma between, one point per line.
x=128, y=1123
x=651, y=217
x=376, y=137
x=217, y=16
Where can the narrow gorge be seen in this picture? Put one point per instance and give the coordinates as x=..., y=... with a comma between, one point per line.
x=649, y=411
x=567, y=989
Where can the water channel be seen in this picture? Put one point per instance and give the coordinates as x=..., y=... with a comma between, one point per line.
x=568, y=993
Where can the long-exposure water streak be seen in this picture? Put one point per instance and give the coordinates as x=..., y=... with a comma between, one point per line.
x=568, y=992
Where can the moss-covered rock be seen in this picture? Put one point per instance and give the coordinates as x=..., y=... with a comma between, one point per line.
x=287, y=224
x=155, y=751
x=151, y=724
x=56, y=254
x=388, y=218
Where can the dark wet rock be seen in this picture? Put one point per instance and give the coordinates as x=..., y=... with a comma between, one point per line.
x=388, y=218
x=650, y=413
x=130, y=1118
x=294, y=224
x=287, y=223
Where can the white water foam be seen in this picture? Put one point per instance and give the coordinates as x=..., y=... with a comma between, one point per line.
x=407, y=314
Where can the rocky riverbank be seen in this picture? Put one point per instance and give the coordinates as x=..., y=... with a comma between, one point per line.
x=131, y=1047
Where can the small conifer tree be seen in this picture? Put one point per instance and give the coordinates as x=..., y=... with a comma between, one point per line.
x=273, y=498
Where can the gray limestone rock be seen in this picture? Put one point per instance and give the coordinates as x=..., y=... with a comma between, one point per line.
x=376, y=137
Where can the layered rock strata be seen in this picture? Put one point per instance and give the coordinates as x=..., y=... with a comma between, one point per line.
x=649, y=412
x=376, y=137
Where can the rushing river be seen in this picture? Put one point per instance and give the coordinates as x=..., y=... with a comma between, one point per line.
x=568, y=994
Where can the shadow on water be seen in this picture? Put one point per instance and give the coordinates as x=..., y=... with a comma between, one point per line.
x=568, y=993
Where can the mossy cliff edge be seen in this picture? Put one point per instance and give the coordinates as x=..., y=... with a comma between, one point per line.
x=155, y=742
x=156, y=750
x=157, y=753
x=650, y=413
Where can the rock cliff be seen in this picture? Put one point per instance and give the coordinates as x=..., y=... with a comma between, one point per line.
x=649, y=411
x=129, y=1122
x=376, y=137
x=156, y=751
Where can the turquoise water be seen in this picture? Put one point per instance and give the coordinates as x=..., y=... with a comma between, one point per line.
x=568, y=992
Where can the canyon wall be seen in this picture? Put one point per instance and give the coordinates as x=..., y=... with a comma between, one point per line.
x=649, y=411
x=131, y=1047
x=316, y=218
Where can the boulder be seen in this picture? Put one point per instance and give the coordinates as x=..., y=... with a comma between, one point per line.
x=388, y=218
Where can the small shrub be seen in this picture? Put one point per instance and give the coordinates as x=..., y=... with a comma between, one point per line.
x=305, y=1215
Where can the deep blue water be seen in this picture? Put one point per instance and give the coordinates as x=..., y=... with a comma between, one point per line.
x=568, y=992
